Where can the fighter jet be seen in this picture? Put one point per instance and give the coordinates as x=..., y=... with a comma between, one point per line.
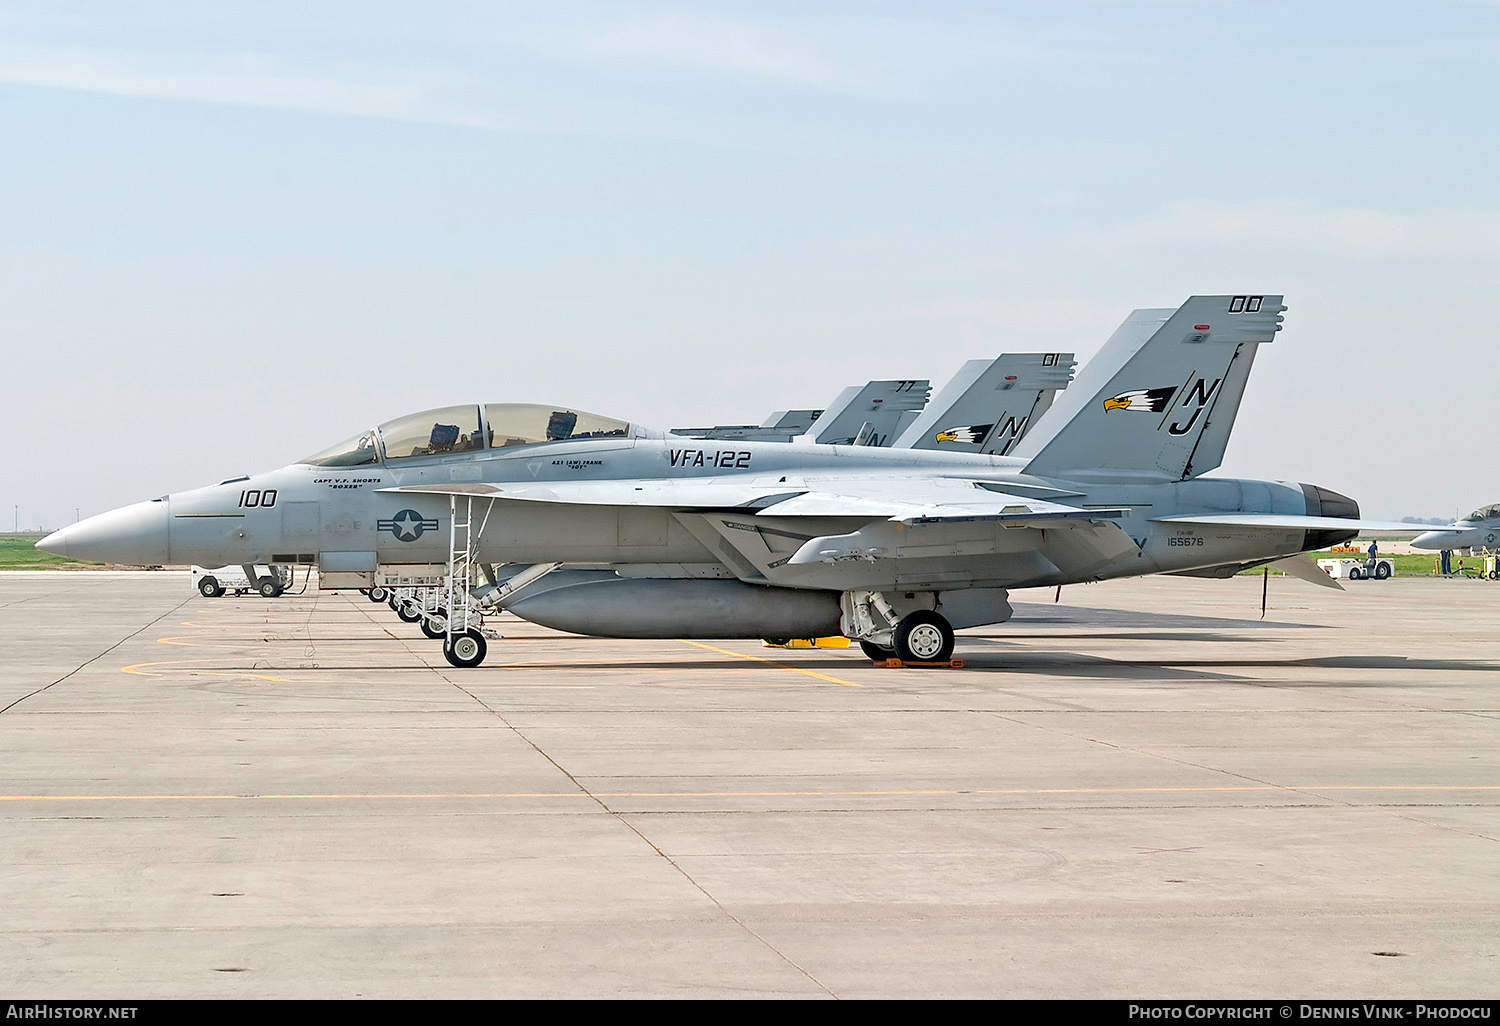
x=1478, y=530
x=781, y=426
x=990, y=404
x=987, y=407
x=870, y=414
x=894, y=548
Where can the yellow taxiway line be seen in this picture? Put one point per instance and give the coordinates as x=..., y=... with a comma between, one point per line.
x=772, y=662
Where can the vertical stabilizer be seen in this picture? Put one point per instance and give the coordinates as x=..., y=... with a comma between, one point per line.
x=990, y=404
x=872, y=414
x=1160, y=398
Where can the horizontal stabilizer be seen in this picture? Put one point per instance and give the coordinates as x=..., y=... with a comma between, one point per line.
x=1302, y=567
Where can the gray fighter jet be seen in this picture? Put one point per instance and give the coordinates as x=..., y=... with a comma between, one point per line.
x=990, y=404
x=987, y=407
x=895, y=548
x=781, y=426
x=1478, y=530
x=870, y=414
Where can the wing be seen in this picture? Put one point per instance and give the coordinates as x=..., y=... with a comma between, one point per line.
x=839, y=534
x=674, y=493
x=1283, y=521
x=930, y=533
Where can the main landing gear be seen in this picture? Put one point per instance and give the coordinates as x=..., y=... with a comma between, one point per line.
x=884, y=633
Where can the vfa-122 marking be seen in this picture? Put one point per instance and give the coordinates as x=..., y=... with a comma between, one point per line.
x=724, y=459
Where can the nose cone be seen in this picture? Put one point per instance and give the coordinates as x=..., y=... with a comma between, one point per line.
x=1466, y=539
x=133, y=535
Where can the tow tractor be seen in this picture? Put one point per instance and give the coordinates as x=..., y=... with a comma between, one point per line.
x=1358, y=569
x=214, y=582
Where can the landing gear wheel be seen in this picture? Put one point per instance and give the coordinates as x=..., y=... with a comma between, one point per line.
x=268, y=588
x=377, y=594
x=876, y=652
x=209, y=588
x=923, y=637
x=435, y=627
x=1382, y=571
x=408, y=613
x=466, y=649
x=392, y=603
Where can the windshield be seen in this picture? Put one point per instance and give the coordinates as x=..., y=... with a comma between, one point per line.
x=526, y=424
x=1485, y=513
x=355, y=452
x=432, y=433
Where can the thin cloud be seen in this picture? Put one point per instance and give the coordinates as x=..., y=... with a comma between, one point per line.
x=1349, y=232
x=720, y=45
x=243, y=81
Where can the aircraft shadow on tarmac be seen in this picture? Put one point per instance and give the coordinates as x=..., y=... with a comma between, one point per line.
x=1029, y=613
x=1076, y=664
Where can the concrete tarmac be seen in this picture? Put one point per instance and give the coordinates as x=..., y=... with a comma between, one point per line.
x=1141, y=791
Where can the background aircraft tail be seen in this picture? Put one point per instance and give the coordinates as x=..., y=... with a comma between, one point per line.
x=990, y=404
x=1160, y=398
x=870, y=415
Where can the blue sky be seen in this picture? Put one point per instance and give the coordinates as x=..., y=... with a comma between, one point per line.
x=232, y=234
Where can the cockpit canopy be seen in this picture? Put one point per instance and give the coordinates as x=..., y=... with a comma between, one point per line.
x=456, y=429
x=1485, y=513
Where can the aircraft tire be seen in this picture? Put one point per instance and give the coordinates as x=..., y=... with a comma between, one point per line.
x=876, y=652
x=466, y=649
x=209, y=588
x=376, y=594
x=435, y=627
x=923, y=637
x=407, y=613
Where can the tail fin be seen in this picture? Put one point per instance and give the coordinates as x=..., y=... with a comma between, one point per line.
x=990, y=404
x=1160, y=398
x=872, y=415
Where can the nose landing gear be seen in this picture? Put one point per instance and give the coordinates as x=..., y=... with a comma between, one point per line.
x=466, y=649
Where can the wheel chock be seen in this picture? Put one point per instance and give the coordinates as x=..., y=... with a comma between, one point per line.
x=896, y=664
x=834, y=642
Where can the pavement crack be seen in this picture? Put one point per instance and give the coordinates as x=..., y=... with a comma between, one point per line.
x=101, y=655
x=624, y=821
